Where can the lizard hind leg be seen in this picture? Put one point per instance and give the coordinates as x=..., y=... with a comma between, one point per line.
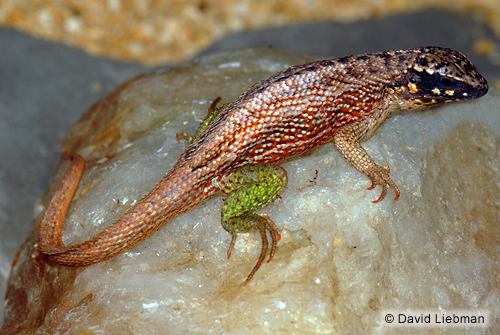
x=212, y=113
x=250, y=188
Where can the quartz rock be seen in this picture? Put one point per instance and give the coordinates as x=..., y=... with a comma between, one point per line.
x=342, y=260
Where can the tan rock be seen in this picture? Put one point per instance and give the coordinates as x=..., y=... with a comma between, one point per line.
x=159, y=32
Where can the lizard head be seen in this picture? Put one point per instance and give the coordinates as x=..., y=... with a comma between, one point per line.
x=439, y=75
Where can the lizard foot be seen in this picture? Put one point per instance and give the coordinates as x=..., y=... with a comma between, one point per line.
x=263, y=224
x=250, y=188
x=379, y=175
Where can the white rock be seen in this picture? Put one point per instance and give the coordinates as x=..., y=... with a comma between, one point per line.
x=342, y=260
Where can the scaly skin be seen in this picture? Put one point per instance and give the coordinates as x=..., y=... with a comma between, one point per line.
x=235, y=152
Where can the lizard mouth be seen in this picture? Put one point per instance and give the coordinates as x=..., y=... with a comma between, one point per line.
x=460, y=92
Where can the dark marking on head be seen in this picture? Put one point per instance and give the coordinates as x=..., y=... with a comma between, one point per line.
x=438, y=75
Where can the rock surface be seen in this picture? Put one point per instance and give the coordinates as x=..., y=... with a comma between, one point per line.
x=342, y=260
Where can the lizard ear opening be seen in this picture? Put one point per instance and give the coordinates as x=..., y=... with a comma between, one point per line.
x=446, y=82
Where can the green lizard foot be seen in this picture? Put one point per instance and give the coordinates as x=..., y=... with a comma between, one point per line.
x=213, y=111
x=250, y=188
x=263, y=224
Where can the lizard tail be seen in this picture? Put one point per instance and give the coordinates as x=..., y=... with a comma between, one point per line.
x=154, y=209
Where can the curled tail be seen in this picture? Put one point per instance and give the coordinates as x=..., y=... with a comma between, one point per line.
x=168, y=198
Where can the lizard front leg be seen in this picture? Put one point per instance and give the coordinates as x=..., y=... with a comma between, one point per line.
x=250, y=188
x=347, y=141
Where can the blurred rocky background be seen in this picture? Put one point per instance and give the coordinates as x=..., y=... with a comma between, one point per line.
x=155, y=32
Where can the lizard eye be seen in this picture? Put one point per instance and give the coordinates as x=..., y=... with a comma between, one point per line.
x=413, y=79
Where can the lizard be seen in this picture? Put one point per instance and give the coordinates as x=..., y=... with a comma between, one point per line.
x=239, y=146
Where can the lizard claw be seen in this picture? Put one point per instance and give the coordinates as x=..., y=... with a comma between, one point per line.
x=183, y=136
x=264, y=224
x=379, y=175
x=231, y=245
